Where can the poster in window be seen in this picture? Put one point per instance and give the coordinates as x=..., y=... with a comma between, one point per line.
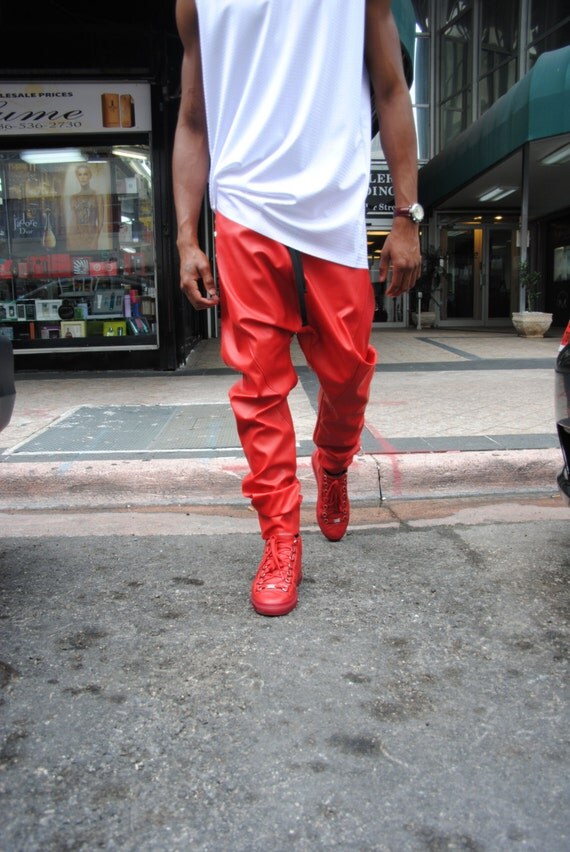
x=33, y=209
x=87, y=203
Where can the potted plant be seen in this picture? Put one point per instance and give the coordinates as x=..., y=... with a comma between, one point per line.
x=530, y=322
x=428, y=284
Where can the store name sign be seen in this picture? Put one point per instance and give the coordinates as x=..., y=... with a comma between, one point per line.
x=34, y=109
x=380, y=191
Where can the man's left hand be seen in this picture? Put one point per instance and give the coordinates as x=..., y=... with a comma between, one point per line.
x=401, y=255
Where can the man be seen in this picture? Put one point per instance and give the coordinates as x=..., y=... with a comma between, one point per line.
x=275, y=114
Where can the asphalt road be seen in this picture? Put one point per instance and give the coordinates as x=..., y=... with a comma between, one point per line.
x=416, y=699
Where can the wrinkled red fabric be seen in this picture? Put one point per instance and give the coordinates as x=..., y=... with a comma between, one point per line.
x=260, y=314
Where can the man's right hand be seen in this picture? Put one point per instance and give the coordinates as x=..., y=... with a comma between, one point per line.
x=195, y=267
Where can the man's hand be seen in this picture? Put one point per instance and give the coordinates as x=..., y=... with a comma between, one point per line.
x=195, y=267
x=401, y=254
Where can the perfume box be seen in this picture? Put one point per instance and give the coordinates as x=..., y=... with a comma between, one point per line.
x=49, y=332
x=38, y=265
x=47, y=309
x=80, y=265
x=26, y=310
x=8, y=311
x=60, y=264
x=72, y=328
x=103, y=267
x=114, y=328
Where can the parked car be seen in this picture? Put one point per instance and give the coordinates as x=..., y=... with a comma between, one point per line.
x=7, y=387
x=562, y=407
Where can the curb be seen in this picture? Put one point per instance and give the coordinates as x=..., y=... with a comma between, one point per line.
x=373, y=478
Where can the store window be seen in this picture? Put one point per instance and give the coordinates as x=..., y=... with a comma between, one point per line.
x=456, y=73
x=499, y=50
x=77, y=264
x=420, y=94
x=549, y=27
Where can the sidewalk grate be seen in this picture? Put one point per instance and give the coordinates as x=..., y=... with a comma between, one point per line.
x=135, y=429
x=208, y=429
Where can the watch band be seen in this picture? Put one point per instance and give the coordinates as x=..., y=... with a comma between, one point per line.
x=414, y=211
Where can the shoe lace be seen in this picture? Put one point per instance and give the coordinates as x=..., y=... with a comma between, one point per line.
x=277, y=565
x=335, y=495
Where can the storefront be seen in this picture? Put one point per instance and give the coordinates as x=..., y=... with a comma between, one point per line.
x=497, y=196
x=77, y=221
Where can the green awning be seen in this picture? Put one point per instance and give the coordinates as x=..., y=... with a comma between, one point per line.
x=537, y=107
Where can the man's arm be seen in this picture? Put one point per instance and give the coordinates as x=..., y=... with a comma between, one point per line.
x=190, y=163
x=398, y=136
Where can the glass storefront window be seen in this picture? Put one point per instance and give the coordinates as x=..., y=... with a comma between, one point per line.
x=556, y=39
x=494, y=85
x=455, y=79
x=453, y=8
x=420, y=94
x=499, y=48
x=77, y=262
x=547, y=15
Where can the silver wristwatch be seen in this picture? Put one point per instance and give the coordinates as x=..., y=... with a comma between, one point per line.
x=415, y=212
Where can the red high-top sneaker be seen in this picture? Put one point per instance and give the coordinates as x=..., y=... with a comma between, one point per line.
x=333, y=508
x=274, y=589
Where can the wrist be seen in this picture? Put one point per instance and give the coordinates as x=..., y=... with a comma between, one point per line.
x=412, y=212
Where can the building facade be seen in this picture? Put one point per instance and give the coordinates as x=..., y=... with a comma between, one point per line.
x=493, y=120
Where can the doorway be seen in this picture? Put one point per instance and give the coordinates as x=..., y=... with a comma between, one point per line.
x=479, y=283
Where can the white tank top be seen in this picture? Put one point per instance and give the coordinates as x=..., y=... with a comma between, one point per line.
x=288, y=113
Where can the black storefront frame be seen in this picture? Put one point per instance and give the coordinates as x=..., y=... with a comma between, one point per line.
x=179, y=327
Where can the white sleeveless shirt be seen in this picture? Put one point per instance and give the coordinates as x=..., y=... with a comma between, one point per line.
x=288, y=114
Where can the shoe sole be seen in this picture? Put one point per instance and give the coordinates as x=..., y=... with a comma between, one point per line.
x=276, y=610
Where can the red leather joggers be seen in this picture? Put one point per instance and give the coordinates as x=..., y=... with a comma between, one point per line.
x=260, y=314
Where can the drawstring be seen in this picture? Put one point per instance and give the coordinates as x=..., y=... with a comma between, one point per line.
x=300, y=281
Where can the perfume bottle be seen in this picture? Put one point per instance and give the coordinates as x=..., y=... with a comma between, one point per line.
x=48, y=236
x=110, y=109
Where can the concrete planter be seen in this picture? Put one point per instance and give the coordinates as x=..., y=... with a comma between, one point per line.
x=532, y=323
x=427, y=319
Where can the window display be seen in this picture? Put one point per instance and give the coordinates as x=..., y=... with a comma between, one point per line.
x=77, y=263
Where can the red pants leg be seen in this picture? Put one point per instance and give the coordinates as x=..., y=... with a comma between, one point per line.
x=340, y=308
x=260, y=314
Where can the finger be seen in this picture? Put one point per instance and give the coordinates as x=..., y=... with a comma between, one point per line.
x=384, y=267
x=198, y=301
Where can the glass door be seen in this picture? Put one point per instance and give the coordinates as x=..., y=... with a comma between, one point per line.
x=479, y=261
x=499, y=255
x=460, y=296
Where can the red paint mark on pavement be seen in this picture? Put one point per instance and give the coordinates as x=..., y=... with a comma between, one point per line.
x=388, y=449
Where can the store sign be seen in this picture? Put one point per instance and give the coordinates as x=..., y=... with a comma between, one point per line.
x=380, y=192
x=34, y=109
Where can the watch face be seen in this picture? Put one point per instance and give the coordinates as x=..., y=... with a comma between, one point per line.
x=417, y=213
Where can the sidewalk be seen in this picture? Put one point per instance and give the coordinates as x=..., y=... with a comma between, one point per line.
x=451, y=413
